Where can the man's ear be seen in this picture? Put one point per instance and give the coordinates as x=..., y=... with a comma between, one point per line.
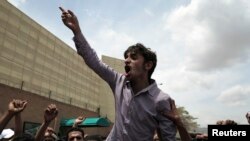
x=148, y=65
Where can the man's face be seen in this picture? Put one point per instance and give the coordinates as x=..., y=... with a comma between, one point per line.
x=75, y=136
x=248, y=117
x=135, y=66
x=48, y=136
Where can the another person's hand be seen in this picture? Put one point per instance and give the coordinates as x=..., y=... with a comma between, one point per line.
x=50, y=130
x=17, y=106
x=173, y=114
x=70, y=20
x=78, y=121
x=44, y=131
x=248, y=117
x=201, y=136
x=50, y=113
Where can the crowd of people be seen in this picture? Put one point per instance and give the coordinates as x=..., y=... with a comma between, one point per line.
x=143, y=111
x=47, y=133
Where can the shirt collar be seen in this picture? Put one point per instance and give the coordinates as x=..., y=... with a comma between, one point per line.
x=150, y=89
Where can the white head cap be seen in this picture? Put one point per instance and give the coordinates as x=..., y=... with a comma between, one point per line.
x=6, y=134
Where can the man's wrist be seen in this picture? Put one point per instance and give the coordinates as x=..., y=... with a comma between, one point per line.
x=11, y=113
x=77, y=31
x=46, y=122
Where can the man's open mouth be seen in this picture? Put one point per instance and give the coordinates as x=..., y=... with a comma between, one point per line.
x=127, y=69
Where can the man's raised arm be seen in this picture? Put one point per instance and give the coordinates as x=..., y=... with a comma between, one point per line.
x=83, y=49
x=70, y=20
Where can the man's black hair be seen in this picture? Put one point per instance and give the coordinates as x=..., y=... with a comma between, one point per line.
x=74, y=129
x=147, y=54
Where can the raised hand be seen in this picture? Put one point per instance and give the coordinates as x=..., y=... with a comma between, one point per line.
x=17, y=106
x=78, y=121
x=50, y=113
x=70, y=20
x=50, y=130
x=248, y=117
x=173, y=114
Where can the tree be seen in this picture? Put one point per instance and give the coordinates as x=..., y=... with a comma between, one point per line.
x=187, y=119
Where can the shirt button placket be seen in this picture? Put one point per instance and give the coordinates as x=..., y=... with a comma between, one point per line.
x=130, y=108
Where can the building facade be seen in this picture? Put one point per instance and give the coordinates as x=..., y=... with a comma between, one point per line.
x=35, y=61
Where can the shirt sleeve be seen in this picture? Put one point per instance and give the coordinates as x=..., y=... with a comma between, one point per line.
x=91, y=59
x=166, y=127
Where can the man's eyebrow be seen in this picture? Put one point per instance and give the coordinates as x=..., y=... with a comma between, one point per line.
x=133, y=53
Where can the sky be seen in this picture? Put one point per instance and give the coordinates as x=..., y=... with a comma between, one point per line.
x=202, y=46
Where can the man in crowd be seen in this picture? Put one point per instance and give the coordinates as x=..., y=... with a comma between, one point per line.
x=138, y=100
x=75, y=134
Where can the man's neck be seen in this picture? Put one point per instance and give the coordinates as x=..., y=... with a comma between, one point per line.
x=139, y=85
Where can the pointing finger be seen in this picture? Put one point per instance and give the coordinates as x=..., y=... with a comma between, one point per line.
x=62, y=9
x=71, y=13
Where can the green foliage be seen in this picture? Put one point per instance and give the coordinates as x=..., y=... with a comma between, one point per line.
x=187, y=119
